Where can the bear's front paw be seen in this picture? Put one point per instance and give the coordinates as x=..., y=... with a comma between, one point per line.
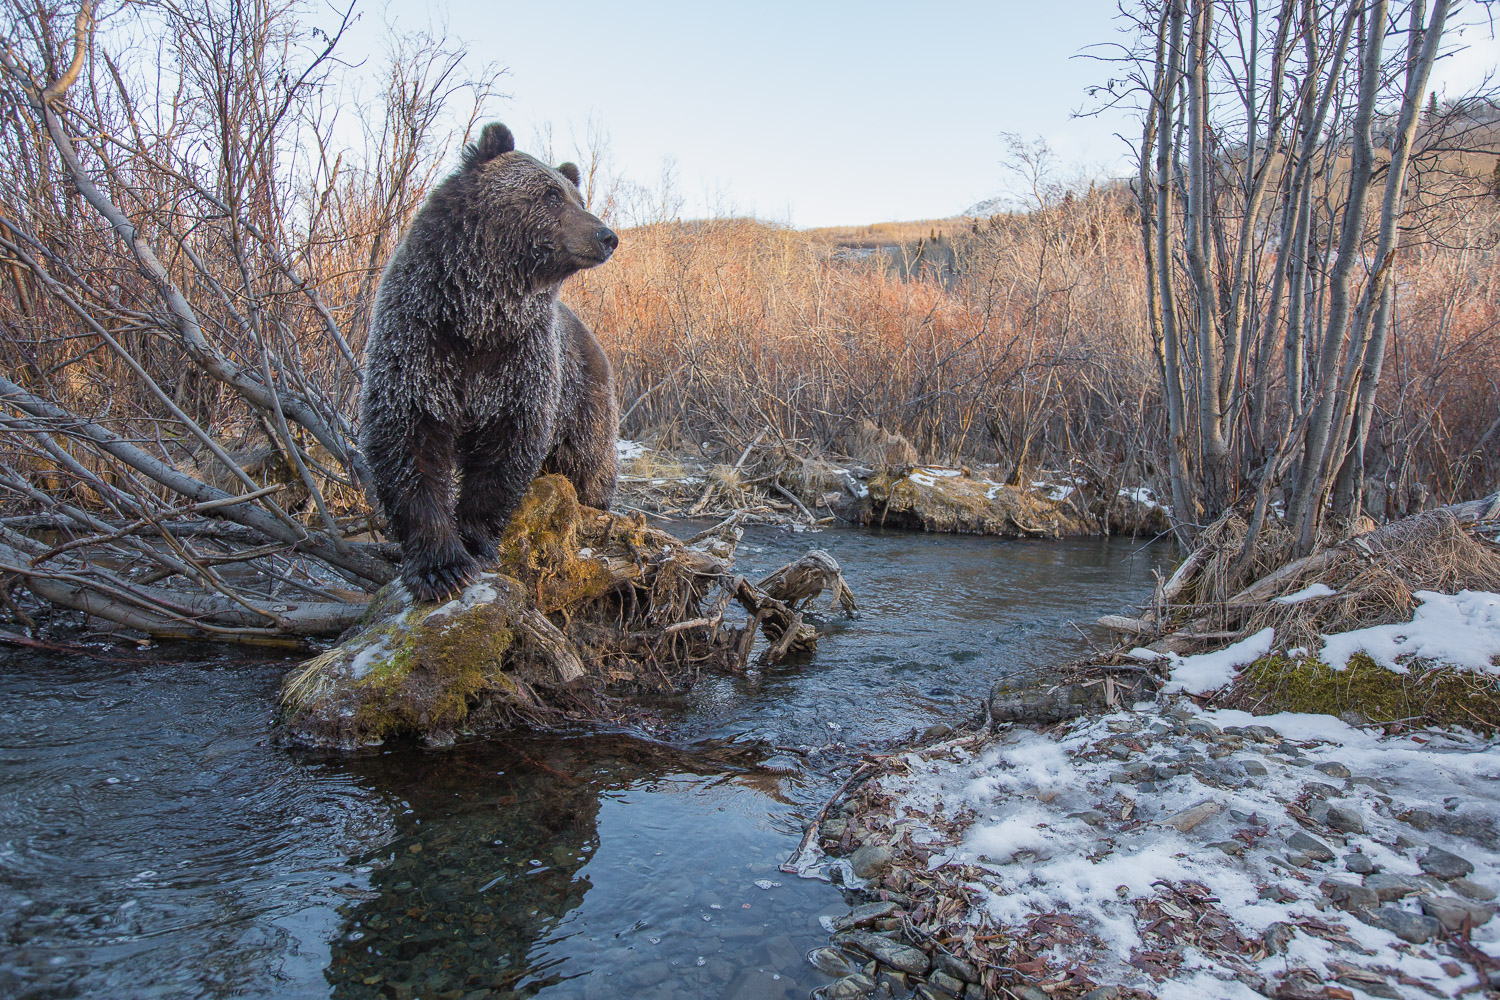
x=436, y=582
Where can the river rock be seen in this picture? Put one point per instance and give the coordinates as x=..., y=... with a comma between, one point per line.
x=1193, y=815
x=851, y=987
x=1445, y=864
x=1414, y=927
x=1452, y=912
x=950, y=985
x=892, y=953
x=1344, y=820
x=956, y=967
x=1388, y=887
x=1349, y=896
x=865, y=913
x=1043, y=696
x=871, y=860
x=1309, y=845
x=1472, y=889
x=829, y=961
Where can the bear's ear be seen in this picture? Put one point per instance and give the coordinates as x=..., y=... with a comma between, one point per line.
x=494, y=140
x=570, y=171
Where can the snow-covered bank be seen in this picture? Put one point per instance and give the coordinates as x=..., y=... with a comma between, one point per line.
x=1162, y=851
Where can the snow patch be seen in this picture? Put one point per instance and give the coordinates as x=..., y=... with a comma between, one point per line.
x=364, y=661
x=1461, y=630
x=1307, y=593
x=1210, y=671
x=626, y=450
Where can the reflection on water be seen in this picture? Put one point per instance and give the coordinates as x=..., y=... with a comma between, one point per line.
x=586, y=867
x=155, y=843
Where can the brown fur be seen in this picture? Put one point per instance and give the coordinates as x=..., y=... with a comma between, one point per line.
x=475, y=375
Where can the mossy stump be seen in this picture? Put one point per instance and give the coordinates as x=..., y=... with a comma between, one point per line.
x=583, y=607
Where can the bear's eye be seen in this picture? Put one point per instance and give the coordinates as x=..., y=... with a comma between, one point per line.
x=553, y=198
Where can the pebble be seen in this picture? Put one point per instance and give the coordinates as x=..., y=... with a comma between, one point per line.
x=1414, y=927
x=1254, y=768
x=1309, y=845
x=1445, y=864
x=1419, y=818
x=1233, y=848
x=1092, y=817
x=1321, y=789
x=1332, y=768
x=1359, y=864
x=1195, y=814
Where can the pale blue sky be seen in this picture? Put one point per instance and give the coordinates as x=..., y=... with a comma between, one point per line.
x=809, y=113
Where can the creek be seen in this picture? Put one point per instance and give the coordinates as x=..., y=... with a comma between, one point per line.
x=157, y=841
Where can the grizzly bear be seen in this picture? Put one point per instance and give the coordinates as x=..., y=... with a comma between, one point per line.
x=475, y=375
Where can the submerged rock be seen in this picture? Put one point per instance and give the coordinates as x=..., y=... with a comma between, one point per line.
x=583, y=605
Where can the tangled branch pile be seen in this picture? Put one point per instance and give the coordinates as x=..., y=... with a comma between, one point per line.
x=587, y=606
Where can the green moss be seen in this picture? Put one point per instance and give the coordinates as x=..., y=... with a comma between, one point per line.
x=540, y=548
x=436, y=670
x=1426, y=696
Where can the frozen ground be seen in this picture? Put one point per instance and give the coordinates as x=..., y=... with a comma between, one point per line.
x=1216, y=854
x=1182, y=852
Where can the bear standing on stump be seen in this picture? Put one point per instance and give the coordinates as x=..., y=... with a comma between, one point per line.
x=475, y=375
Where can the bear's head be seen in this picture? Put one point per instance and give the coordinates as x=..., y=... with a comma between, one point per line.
x=535, y=210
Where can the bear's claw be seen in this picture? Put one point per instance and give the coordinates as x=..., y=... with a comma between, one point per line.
x=437, y=583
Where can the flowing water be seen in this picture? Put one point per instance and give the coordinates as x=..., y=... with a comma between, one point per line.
x=155, y=841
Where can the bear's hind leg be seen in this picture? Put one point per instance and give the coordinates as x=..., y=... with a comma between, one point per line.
x=419, y=502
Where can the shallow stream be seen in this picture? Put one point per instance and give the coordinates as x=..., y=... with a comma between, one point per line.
x=156, y=842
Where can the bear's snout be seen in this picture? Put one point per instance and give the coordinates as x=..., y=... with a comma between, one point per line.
x=607, y=240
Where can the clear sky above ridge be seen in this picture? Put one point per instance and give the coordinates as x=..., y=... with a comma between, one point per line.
x=809, y=113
